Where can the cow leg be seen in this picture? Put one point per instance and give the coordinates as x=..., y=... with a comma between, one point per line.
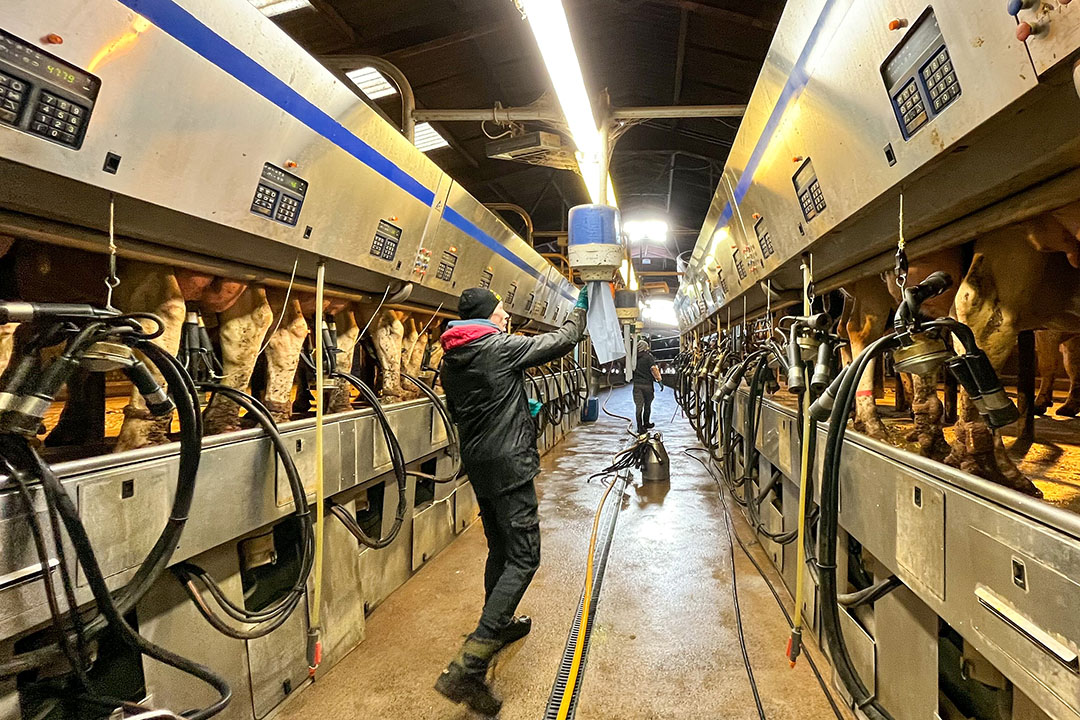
x=866, y=324
x=347, y=334
x=1047, y=343
x=1071, y=352
x=283, y=355
x=1025, y=393
x=241, y=329
x=904, y=391
x=928, y=410
x=978, y=449
x=154, y=289
x=388, y=334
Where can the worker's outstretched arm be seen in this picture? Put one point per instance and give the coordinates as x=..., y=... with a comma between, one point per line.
x=526, y=352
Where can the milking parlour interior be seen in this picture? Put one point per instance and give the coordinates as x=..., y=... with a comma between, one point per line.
x=540, y=359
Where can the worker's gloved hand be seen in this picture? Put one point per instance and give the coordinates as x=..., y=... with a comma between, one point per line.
x=535, y=406
x=583, y=299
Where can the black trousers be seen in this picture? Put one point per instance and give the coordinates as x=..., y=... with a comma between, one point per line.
x=643, y=397
x=512, y=527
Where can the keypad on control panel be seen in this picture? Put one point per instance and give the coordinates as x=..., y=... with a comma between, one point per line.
x=940, y=79
x=264, y=200
x=384, y=247
x=912, y=108
x=58, y=119
x=13, y=94
x=287, y=210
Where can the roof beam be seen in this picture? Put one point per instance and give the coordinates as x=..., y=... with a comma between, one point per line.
x=731, y=15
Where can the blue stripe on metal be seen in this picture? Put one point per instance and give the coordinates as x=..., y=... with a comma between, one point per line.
x=187, y=29
x=191, y=32
x=796, y=83
x=466, y=226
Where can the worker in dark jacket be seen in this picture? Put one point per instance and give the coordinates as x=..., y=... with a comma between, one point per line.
x=483, y=375
x=645, y=372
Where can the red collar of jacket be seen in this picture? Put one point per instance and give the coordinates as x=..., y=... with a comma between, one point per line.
x=464, y=334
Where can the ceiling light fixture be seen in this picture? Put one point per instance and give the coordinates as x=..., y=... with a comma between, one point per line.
x=547, y=19
x=428, y=138
x=371, y=82
x=272, y=8
x=646, y=231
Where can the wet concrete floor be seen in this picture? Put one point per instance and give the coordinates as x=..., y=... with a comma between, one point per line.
x=664, y=643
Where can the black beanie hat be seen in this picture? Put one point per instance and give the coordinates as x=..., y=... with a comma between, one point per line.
x=477, y=303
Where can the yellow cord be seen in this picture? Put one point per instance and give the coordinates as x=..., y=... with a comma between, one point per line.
x=583, y=621
x=319, y=376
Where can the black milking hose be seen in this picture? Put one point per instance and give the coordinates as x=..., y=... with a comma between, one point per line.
x=397, y=459
x=274, y=616
x=453, y=441
x=183, y=393
x=828, y=530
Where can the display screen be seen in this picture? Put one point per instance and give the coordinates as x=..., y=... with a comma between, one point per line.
x=284, y=179
x=926, y=32
x=804, y=176
x=386, y=228
x=22, y=55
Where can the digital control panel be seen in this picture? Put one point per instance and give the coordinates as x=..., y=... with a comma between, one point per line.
x=920, y=76
x=740, y=267
x=279, y=195
x=511, y=293
x=764, y=239
x=386, y=241
x=447, y=263
x=43, y=95
x=529, y=302
x=808, y=190
x=485, y=279
x=720, y=279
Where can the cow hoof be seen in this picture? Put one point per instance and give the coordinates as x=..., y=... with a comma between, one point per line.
x=934, y=447
x=1069, y=409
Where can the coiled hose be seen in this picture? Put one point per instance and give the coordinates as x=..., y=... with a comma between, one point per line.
x=275, y=615
x=24, y=465
x=397, y=460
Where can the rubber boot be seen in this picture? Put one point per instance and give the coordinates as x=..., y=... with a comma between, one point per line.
x=516, y=629
x=464, y=679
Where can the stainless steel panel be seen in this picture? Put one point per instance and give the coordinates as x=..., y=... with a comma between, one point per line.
x=124, y=513
x=466, y=510
x=821, y=96
x=920, y=533
x=383, y=571
x=433, y=529
x=278, y=663
x=906, y=635
x=301, y=447
x=1022, y=621
x=166, y=617
x=863, y=652
x=343, y=624
x=244, y=94
x=1057, y=33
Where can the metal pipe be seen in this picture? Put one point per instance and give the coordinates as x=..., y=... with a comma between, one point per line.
x=497, y=114
x=505, y=115
x=391, y=71
x=520, y=211
x=658, y=112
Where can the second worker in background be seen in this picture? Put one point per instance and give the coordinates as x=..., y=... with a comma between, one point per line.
x=645, y=372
